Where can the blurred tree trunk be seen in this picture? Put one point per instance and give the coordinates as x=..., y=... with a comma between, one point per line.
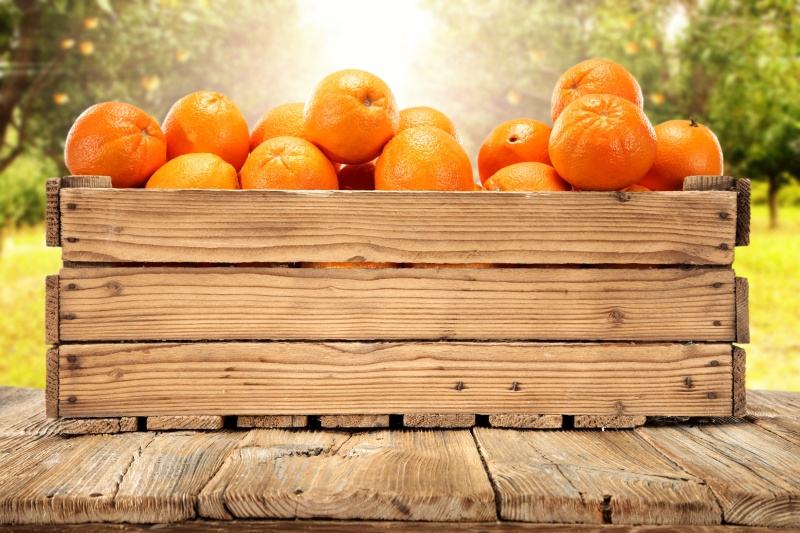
x=772, y=200
x=21, y=68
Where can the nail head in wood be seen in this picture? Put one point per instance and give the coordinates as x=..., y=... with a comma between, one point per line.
x=712, y=395
x=717, y=285
x=717, y=323
x=71, y=358
x=459, y=385
x=515, y=386
x=72, y=399
x=723, y=215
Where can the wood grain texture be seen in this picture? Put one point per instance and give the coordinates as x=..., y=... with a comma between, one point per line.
x=51, y=212
x=128, y=423
x=609, y=421
x=89, y=426
x=55, y=480
x=742, y=310
x=397, y=226
x=526, y=421
x=755, y=475
x=739, y=385
x=51, y=313
x=161, y=423
x=743, y=212
x=51, y=383
x=786, y=428
x=709, y=183
x=432, y=420
x=382, y=474
x=272, y=421
x=22, y=413
x=86, y=182
x=377, y=378
x=770, y=404
x=590, y=477
x=354, y=421
x=110, y=304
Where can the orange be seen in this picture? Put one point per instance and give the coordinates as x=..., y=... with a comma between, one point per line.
x=348, y=265
x=516, y=141
x=117, y=140
x=195, y=171
x=207, y=122
x=357, y=177
x=427, y=116
x=602, y=142
x=284, y=120
x=450, y=265
x=685, y=148
x=351, y=115
x=594, y=76
x=527, y=177
x=423, y=159
x=288, y=163
x=476, y=187
x=636, y=188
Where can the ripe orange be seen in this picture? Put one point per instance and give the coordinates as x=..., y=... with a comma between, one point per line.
x=288, y=163
x=602, y=142
x=351, y=115
x=594, y=76
x=195, y=171
x=348, y=265
x=423, y=159
x=685, y=148
x=284, y=120
x=414, y=117
x=451, y=265
x=636, y=188
x=516, y=141
x=117, y=140
x=357, y=177
x=527, y=177
x=207, y=122
x=476, y=187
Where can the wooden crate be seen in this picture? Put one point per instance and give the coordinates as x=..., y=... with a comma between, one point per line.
x=186, y=307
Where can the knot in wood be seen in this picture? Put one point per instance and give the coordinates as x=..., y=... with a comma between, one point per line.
x=622, y=196
x=616, y=316
x=72, y=286
x=619, y=406
x=723, y=246
x=717, y=285
x=71, y=358
x=72, y=206
x=723, y=215
x=114, y=288
x=712, y=395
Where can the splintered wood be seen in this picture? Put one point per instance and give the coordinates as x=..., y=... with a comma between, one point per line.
x=103, y=380
x=386, y=475
x=429, y=227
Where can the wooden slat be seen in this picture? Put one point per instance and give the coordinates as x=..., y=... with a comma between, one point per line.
x=377, y=378
x=90, y=426
x=354, y=421
x=609, y=421
x=161, y=423
x=52, y=218
x=786, y=428
x=769, y=403
x=86, y=182
x=382, y=474
x=432, y=420
x=739, y=385
x=709, y=183
x=590, y=477
x=526, y=421
x=51, y=314
x=145, y=225
x=51, y=383
x=743, y=212
x=110, y=304
x=272, y=421
x=754, y=474
x=742, y=310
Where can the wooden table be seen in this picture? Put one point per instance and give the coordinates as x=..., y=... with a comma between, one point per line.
x=726, y=472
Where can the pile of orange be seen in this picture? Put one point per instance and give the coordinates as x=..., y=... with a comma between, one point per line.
x=350, y=135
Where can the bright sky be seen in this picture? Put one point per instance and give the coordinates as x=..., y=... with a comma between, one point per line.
x=384, y=37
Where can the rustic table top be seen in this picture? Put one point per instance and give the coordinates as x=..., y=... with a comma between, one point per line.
x=729, y=472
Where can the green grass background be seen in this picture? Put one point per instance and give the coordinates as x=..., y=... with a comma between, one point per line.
x=770, y=263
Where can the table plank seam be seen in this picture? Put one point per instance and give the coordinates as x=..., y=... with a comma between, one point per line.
x=142, y=448
x=495, y=489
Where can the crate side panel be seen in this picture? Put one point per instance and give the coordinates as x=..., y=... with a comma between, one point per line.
x=411, y=378
x=144, y=225
x=115, y=304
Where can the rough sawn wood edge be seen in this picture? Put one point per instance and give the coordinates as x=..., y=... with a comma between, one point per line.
x=609, y=421
x=51, y=383
x=272, y=421
x=523, y=421
x=163, y=423
x=739, y=385
x=742, y=293
x=727, y=183
x=433, y=420
x=51, y=310
x=52, y=214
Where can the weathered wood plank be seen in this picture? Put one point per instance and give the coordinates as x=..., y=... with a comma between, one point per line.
x=739, y=388
x=754, y=474
x=354, y=421
x=85, y=182
x=167, y=422
x=709, y=183
x=743, y=212
x=110, y=304
x=769, y=403
x=96, y=426
x=52, y=218
x=609, y=421
x=590, y=477
x=387, y=475
x=377, y=378
x=786, y=428
x=742, y=310
x=272, y=421
x=410, y=226
x=51, y=383
x=443, y=420
x=55, y=480
x=526, y=421
x=22, y=413
x=51, y=314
